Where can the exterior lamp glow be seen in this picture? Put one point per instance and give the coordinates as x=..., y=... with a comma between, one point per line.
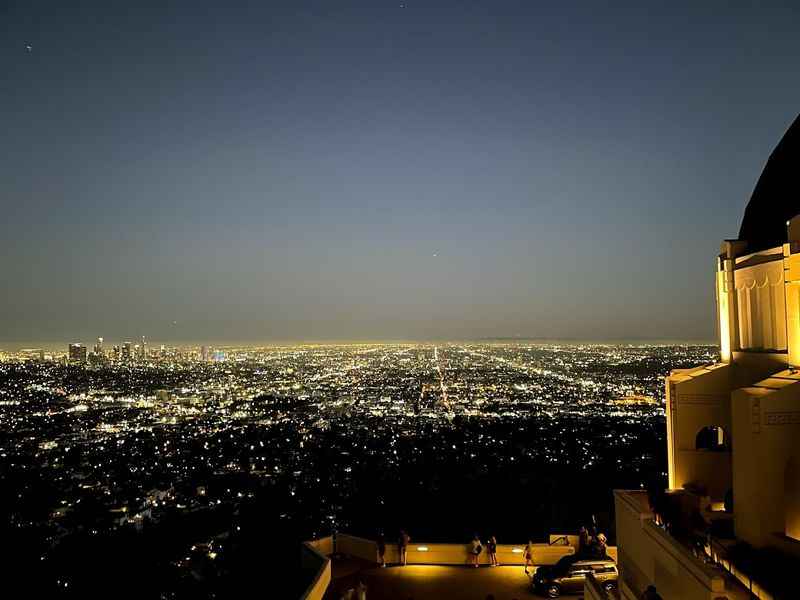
x=422, y=548
x=517, y=550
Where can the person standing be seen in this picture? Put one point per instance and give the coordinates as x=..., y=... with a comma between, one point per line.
x=402, y=546
x=601, y=544
x=491, y=548
x=528, y=554
x=475, y=550
x=381, y=550
x=361, y=591
x=650, y=593
x=583, y=541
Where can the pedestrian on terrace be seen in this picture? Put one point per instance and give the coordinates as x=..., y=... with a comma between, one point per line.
x=528, y=555
x=381, y=550
x=491, y=548
x=402, y=546
x=475, y=550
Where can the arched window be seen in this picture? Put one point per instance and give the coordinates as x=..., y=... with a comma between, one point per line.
x=711, y=438
x=791, y=499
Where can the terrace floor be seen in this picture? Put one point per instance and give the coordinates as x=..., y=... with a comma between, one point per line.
x=429, y=582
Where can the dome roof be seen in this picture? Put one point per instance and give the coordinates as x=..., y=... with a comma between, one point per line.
x=776, y=197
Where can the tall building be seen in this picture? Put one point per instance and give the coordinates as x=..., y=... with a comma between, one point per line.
x=127, y=351
x=77, y=353
x=729, y=524
x=98, y=347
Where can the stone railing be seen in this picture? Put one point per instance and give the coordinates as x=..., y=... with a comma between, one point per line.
x=592, y=590
x=315, y=562
x=507, y=554
x=651, y=555
x=720, y=555
x=424, y=553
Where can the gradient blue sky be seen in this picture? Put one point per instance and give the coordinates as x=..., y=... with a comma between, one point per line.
x=380, y=170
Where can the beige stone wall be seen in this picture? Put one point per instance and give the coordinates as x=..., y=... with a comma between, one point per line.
x=698, y=398
x=792, y=277
x=323, y=545
x=648, y=555
x=357, y=546
x=453, y=554
x=313, y=561
x=761, y=306
x=593, y=591
x=767, y=429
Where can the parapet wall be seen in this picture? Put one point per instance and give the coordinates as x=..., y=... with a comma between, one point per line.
x=423, y=553
x=314, y=561
x=651, y=556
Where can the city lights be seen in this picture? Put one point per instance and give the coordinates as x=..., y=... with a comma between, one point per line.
x=142, y=436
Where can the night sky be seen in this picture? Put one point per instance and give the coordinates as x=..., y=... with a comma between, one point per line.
x=221, y=171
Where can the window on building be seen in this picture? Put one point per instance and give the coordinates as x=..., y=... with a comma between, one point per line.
x=711, y=438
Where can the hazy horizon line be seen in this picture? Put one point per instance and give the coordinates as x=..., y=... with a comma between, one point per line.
x=16, y=345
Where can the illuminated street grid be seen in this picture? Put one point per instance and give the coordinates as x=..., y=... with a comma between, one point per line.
x=352, y=437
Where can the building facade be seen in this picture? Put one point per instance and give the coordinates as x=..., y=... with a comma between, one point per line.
x=77, y=353
x=730, y=520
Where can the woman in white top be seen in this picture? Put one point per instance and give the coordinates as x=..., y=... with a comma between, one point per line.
x=475, y=551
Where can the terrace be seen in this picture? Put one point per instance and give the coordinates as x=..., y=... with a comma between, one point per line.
x=434, y=571
x=428, y=582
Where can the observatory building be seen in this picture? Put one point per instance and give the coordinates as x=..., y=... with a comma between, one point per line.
x=733, y=428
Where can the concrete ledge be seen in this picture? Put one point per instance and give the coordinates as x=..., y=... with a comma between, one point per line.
x=709, y=577
x=592, y=590
x=424, y=553
x=323, y=546
x=358, y=547
x=312, y=560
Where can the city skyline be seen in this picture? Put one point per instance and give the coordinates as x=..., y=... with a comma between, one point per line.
x=61, y=346
x=373, y=171
x=188, y=461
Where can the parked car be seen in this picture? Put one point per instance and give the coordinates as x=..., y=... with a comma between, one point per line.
x=567, y=577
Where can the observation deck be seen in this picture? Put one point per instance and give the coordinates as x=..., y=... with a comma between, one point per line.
x=433, y=571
